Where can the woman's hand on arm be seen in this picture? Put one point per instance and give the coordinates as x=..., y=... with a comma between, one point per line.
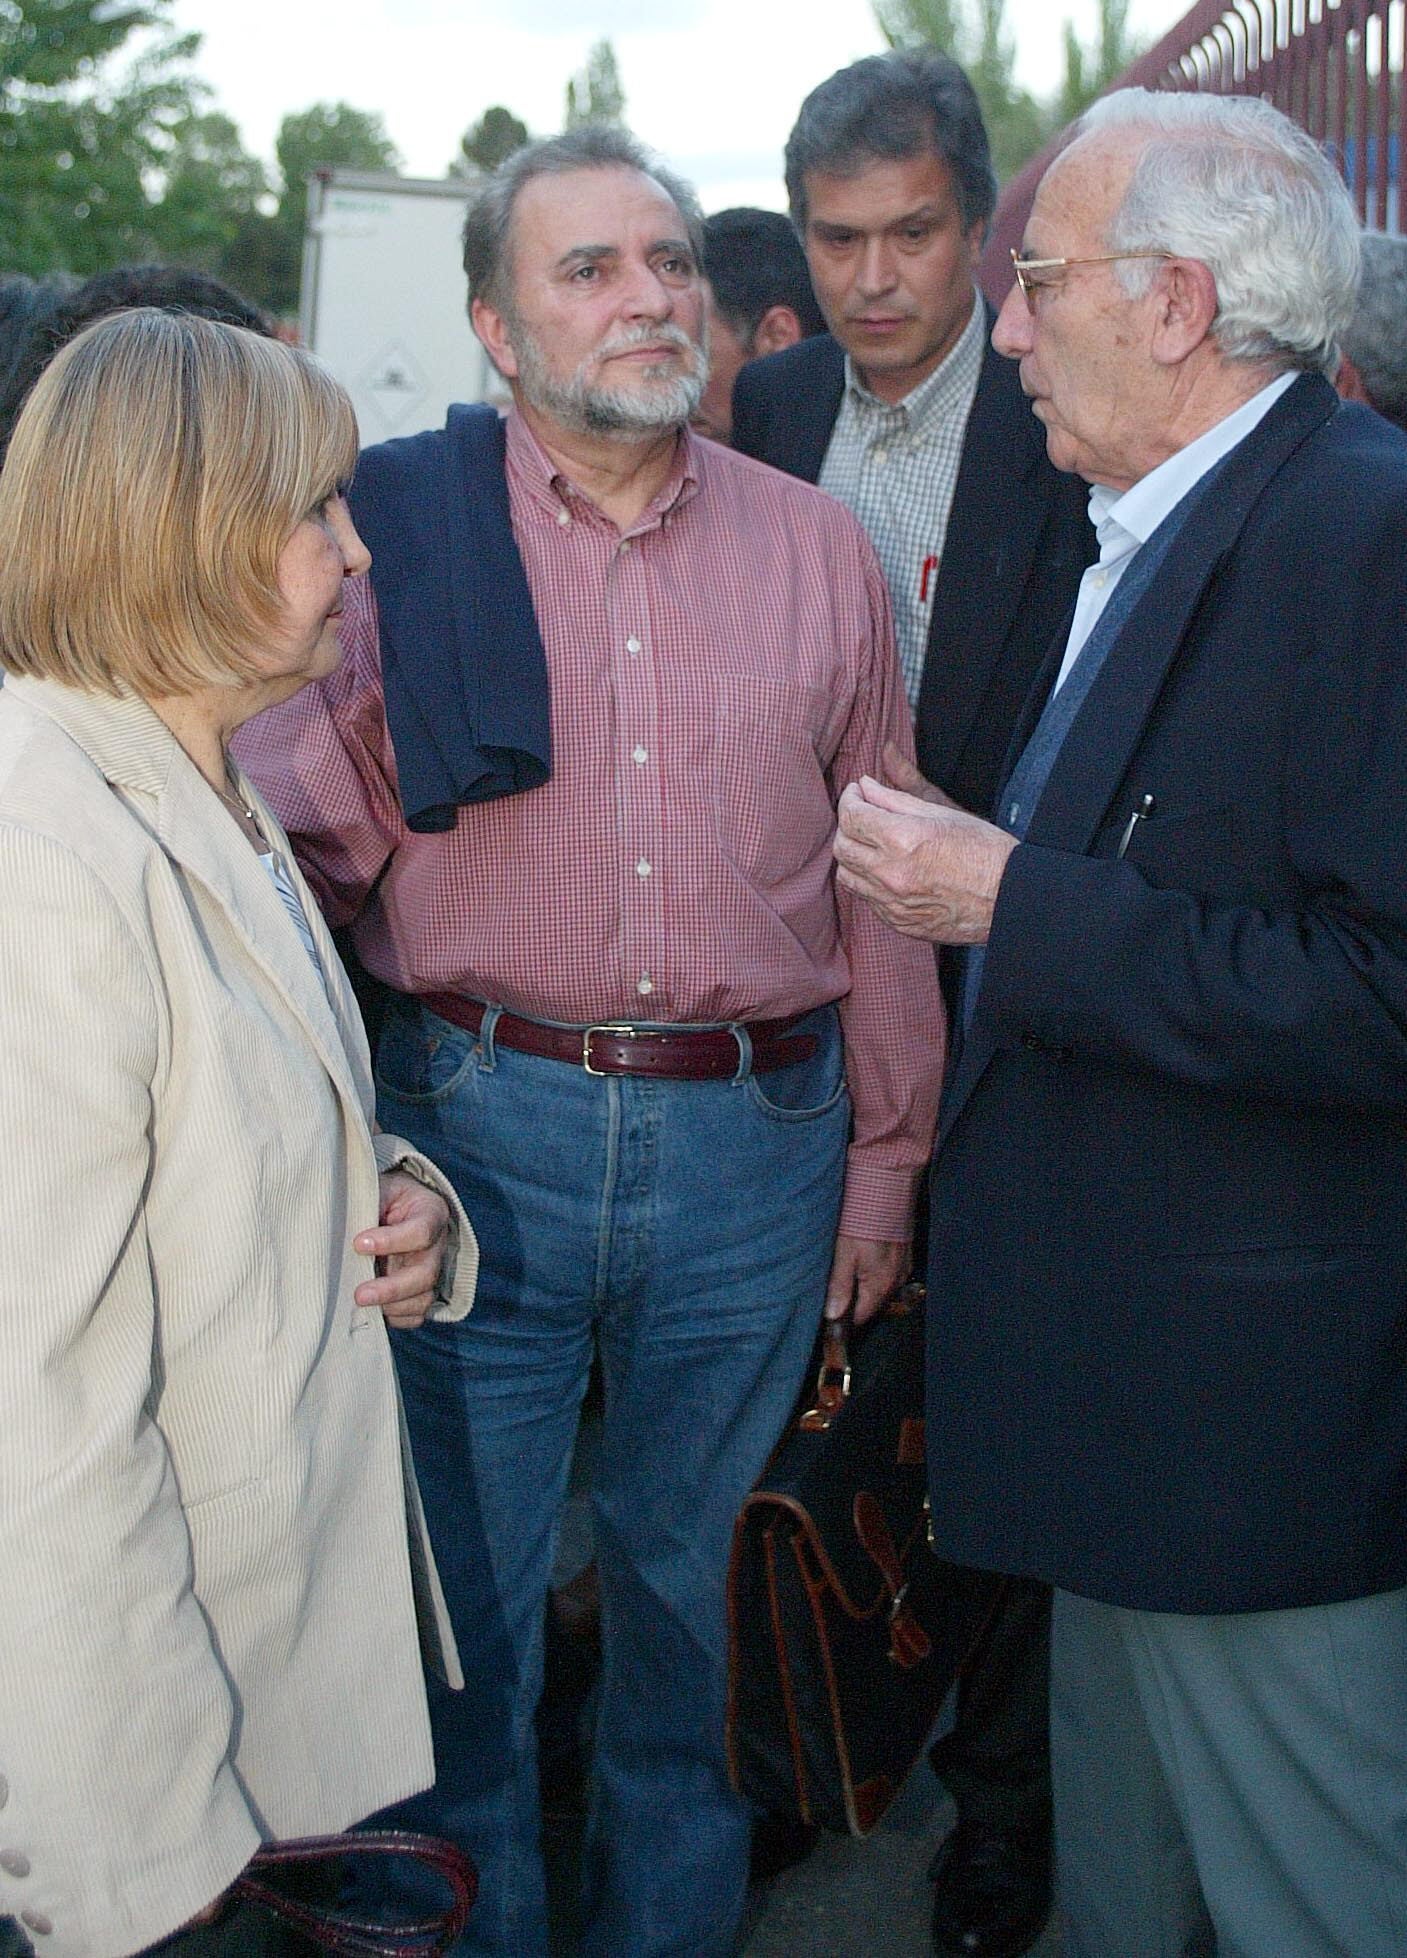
x=409, y=1246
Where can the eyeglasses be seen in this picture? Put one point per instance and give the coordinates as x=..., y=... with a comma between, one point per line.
x=1026, y=266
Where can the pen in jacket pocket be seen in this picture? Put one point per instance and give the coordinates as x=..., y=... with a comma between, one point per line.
x=1142, y=810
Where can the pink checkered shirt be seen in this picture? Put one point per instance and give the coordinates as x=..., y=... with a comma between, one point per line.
x=718, y=673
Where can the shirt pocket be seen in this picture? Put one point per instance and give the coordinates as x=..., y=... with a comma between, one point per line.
x=772, y=806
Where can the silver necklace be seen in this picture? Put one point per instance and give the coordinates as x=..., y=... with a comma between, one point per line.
x=239, y=804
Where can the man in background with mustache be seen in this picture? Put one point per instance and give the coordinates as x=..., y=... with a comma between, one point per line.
x=627, y=1007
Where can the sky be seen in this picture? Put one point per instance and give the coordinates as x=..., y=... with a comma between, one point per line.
x=711, y=84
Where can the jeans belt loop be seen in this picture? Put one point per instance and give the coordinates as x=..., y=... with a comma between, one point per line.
x=488, y=1052
x=744, y=1040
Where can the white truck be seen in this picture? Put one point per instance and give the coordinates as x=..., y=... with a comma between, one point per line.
x=383, y=299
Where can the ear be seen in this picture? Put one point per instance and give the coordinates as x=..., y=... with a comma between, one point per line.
x=1184, y=293
x=779, y=327
x=1349, y=383
x=492, y=330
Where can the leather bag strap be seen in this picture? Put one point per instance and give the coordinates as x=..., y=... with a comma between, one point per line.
x=354, y=1937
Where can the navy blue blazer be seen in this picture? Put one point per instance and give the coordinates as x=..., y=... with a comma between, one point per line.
x=1019, y=538
x=1168, y=1360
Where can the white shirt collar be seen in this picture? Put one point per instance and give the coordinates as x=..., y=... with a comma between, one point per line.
x=1137, y=512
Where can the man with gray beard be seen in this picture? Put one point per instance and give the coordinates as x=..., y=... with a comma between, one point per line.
x=684, y=1092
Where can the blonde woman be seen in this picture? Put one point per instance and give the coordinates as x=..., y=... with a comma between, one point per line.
x=207, y=1622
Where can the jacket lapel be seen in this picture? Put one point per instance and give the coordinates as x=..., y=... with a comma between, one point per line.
x=999, y=509
x=799, y=440
x=139, y=756
x=347, y=1056
x=1099, y=747
x=1096, y=753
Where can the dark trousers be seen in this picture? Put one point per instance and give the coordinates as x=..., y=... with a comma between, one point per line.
x=246, y=1931
x=996, y=1761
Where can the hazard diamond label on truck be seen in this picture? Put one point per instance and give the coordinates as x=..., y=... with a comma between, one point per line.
x=396, y=384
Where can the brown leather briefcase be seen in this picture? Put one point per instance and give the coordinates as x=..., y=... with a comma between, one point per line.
x=846, y=1631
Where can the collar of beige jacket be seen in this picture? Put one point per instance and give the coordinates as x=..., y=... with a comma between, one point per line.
x=133, y=749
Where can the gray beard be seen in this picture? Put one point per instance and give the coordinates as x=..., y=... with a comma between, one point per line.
x=619, y=412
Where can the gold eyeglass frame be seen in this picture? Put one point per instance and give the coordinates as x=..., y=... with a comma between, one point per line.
x=1023, y=266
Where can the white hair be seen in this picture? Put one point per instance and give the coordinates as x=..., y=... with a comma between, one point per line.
x=1229, y=180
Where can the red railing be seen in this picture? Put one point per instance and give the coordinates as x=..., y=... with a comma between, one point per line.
x=1336, y=66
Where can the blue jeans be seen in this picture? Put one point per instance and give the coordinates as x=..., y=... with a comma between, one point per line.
x=686, y=1228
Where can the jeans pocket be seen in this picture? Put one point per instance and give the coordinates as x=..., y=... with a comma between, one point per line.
x=811, y=1088
x=421, y=1059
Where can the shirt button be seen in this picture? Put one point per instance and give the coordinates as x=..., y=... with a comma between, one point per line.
x=642, y=869
x=36, y=1921
x=880, y=455
x=625, y=544
x=644, y=984
x=564, y=515
x=639, y=754
x=1101, y=580
x=632, y=645
x=13, y=1864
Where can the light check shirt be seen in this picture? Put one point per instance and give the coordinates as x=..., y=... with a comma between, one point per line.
x=896, y=466
x=718, y=674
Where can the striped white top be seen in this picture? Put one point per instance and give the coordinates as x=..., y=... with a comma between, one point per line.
x=278, y=876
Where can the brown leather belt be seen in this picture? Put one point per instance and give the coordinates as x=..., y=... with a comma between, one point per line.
x=672, y=1053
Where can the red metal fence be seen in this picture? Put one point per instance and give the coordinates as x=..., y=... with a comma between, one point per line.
x=1336, y=66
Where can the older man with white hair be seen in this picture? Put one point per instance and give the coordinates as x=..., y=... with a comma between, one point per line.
x=1170, y=1204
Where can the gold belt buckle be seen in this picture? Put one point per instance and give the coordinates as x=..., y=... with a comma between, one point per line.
x=586, y=1038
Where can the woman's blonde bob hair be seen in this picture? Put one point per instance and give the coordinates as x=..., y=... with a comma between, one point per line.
x=159, y=466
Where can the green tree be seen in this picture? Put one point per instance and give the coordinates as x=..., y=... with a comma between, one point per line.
x=335, y=134
x=212, y=193
x=267, y=256
x=46, y=44
x=491, y=141
x=922, y=23
x=596, y=93
x=83, y=146
x=1016, y=123
x=1089, y=71
x=974, y=34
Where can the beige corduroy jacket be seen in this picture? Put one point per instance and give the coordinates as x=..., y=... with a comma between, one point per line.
x=208, y=1633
